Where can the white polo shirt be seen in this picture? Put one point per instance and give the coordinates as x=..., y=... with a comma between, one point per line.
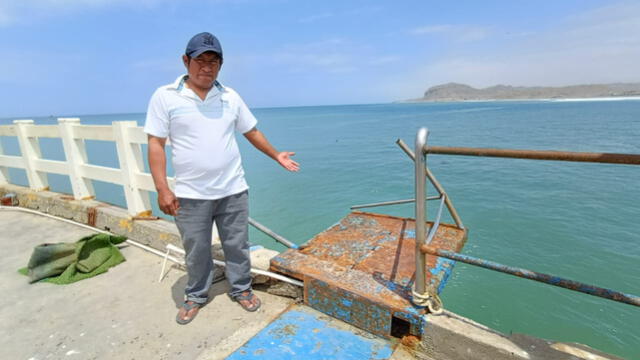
x=205, y=156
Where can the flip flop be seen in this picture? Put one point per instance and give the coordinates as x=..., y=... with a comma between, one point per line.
x=188, y=307
x=248, y=297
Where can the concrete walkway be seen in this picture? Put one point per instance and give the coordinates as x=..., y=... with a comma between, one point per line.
x=122, y=314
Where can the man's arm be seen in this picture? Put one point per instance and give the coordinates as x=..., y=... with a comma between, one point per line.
x=167, y=201
x=257, y=139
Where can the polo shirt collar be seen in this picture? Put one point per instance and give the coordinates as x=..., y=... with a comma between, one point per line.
x=180, y=85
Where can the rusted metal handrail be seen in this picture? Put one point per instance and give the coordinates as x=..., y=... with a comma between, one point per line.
x=609, y=158
x=423, y=248
x=536, y=276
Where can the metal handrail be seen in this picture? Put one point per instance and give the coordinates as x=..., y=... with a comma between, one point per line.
x=436, y=224
x=536, y=276
x=420, y=284
x=423, y=249
x=394, y=202
x=435, y=183
x=271, y=233
x=608, y=158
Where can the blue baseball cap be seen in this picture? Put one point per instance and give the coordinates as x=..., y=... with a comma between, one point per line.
x=201, y=43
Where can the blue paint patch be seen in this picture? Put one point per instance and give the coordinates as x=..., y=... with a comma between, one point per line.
x=442, y=271
x=317, y=298
x=410, y=234
x=302, y=333
x=348, y=307
x=255, y=247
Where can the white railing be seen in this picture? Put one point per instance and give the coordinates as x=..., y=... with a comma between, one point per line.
x=127, y=136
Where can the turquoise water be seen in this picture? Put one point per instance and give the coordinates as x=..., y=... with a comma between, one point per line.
x=579, y=221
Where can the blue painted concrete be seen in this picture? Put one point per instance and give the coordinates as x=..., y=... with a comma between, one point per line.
x=443, y=268
x=349, y=307
x=304, y=333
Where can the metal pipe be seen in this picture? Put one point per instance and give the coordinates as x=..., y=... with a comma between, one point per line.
x=609, y=158
x=536, y=276
x=395, y=202
x=421, y=209
x=253, y=270
x=436, y=223
x=436, y=184
x=275, y=236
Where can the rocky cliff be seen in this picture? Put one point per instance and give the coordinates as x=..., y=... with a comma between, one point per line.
x=462, y=92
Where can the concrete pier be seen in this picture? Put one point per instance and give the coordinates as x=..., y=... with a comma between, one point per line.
x=122, y=314
x=127, y=314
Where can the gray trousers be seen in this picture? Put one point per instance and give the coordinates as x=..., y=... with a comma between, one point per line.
x=195, y=221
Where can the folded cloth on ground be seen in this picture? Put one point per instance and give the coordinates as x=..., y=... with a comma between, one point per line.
x=65, y=263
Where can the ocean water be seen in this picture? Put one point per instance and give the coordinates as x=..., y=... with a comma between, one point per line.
x=579, y=221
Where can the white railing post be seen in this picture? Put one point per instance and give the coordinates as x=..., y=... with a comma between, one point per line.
x=76, y=155
x=4, y=171
x=30, y=152
x=131, y=164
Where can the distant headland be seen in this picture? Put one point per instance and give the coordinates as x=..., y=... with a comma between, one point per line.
x=462, y=92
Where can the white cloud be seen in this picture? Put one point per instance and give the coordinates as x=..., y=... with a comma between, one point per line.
x=461, y=33
x=330, y=55
x=19, y=11
x=599, y=46
x=334, y=55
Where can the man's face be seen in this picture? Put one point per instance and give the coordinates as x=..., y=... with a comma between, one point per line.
x=203, y=70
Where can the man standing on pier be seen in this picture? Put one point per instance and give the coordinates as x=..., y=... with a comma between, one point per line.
x=199, y=115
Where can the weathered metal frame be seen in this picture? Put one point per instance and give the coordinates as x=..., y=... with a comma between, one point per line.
x=609, y=158
x=421, y=209
x=436, y=184
x=394, y=202
x=536, y=276
x=279, y=238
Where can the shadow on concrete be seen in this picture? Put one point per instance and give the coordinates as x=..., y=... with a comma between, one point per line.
x=177, y=290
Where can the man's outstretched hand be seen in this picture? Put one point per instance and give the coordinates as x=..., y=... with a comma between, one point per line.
x=284, y=159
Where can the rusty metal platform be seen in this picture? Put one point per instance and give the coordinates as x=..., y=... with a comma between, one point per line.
x=361, y=271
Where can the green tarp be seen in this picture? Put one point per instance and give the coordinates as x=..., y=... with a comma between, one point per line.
x=65, y=263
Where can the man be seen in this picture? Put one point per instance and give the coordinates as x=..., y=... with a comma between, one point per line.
x=199, y=115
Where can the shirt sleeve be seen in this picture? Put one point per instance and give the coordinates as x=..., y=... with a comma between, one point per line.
x=245, y=120
x=157, y=122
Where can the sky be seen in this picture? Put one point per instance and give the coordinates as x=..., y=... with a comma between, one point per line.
x=65, y=57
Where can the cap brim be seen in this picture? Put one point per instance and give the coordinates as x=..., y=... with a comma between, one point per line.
x=202, y=51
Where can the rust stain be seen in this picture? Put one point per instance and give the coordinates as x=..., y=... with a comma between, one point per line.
x=410, y=341
x=9, y=200
x=284, y=331
x=367, y=263
x=92, y=214
x=126, y=224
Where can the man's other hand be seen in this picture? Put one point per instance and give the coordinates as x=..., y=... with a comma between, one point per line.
x=168, y=202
